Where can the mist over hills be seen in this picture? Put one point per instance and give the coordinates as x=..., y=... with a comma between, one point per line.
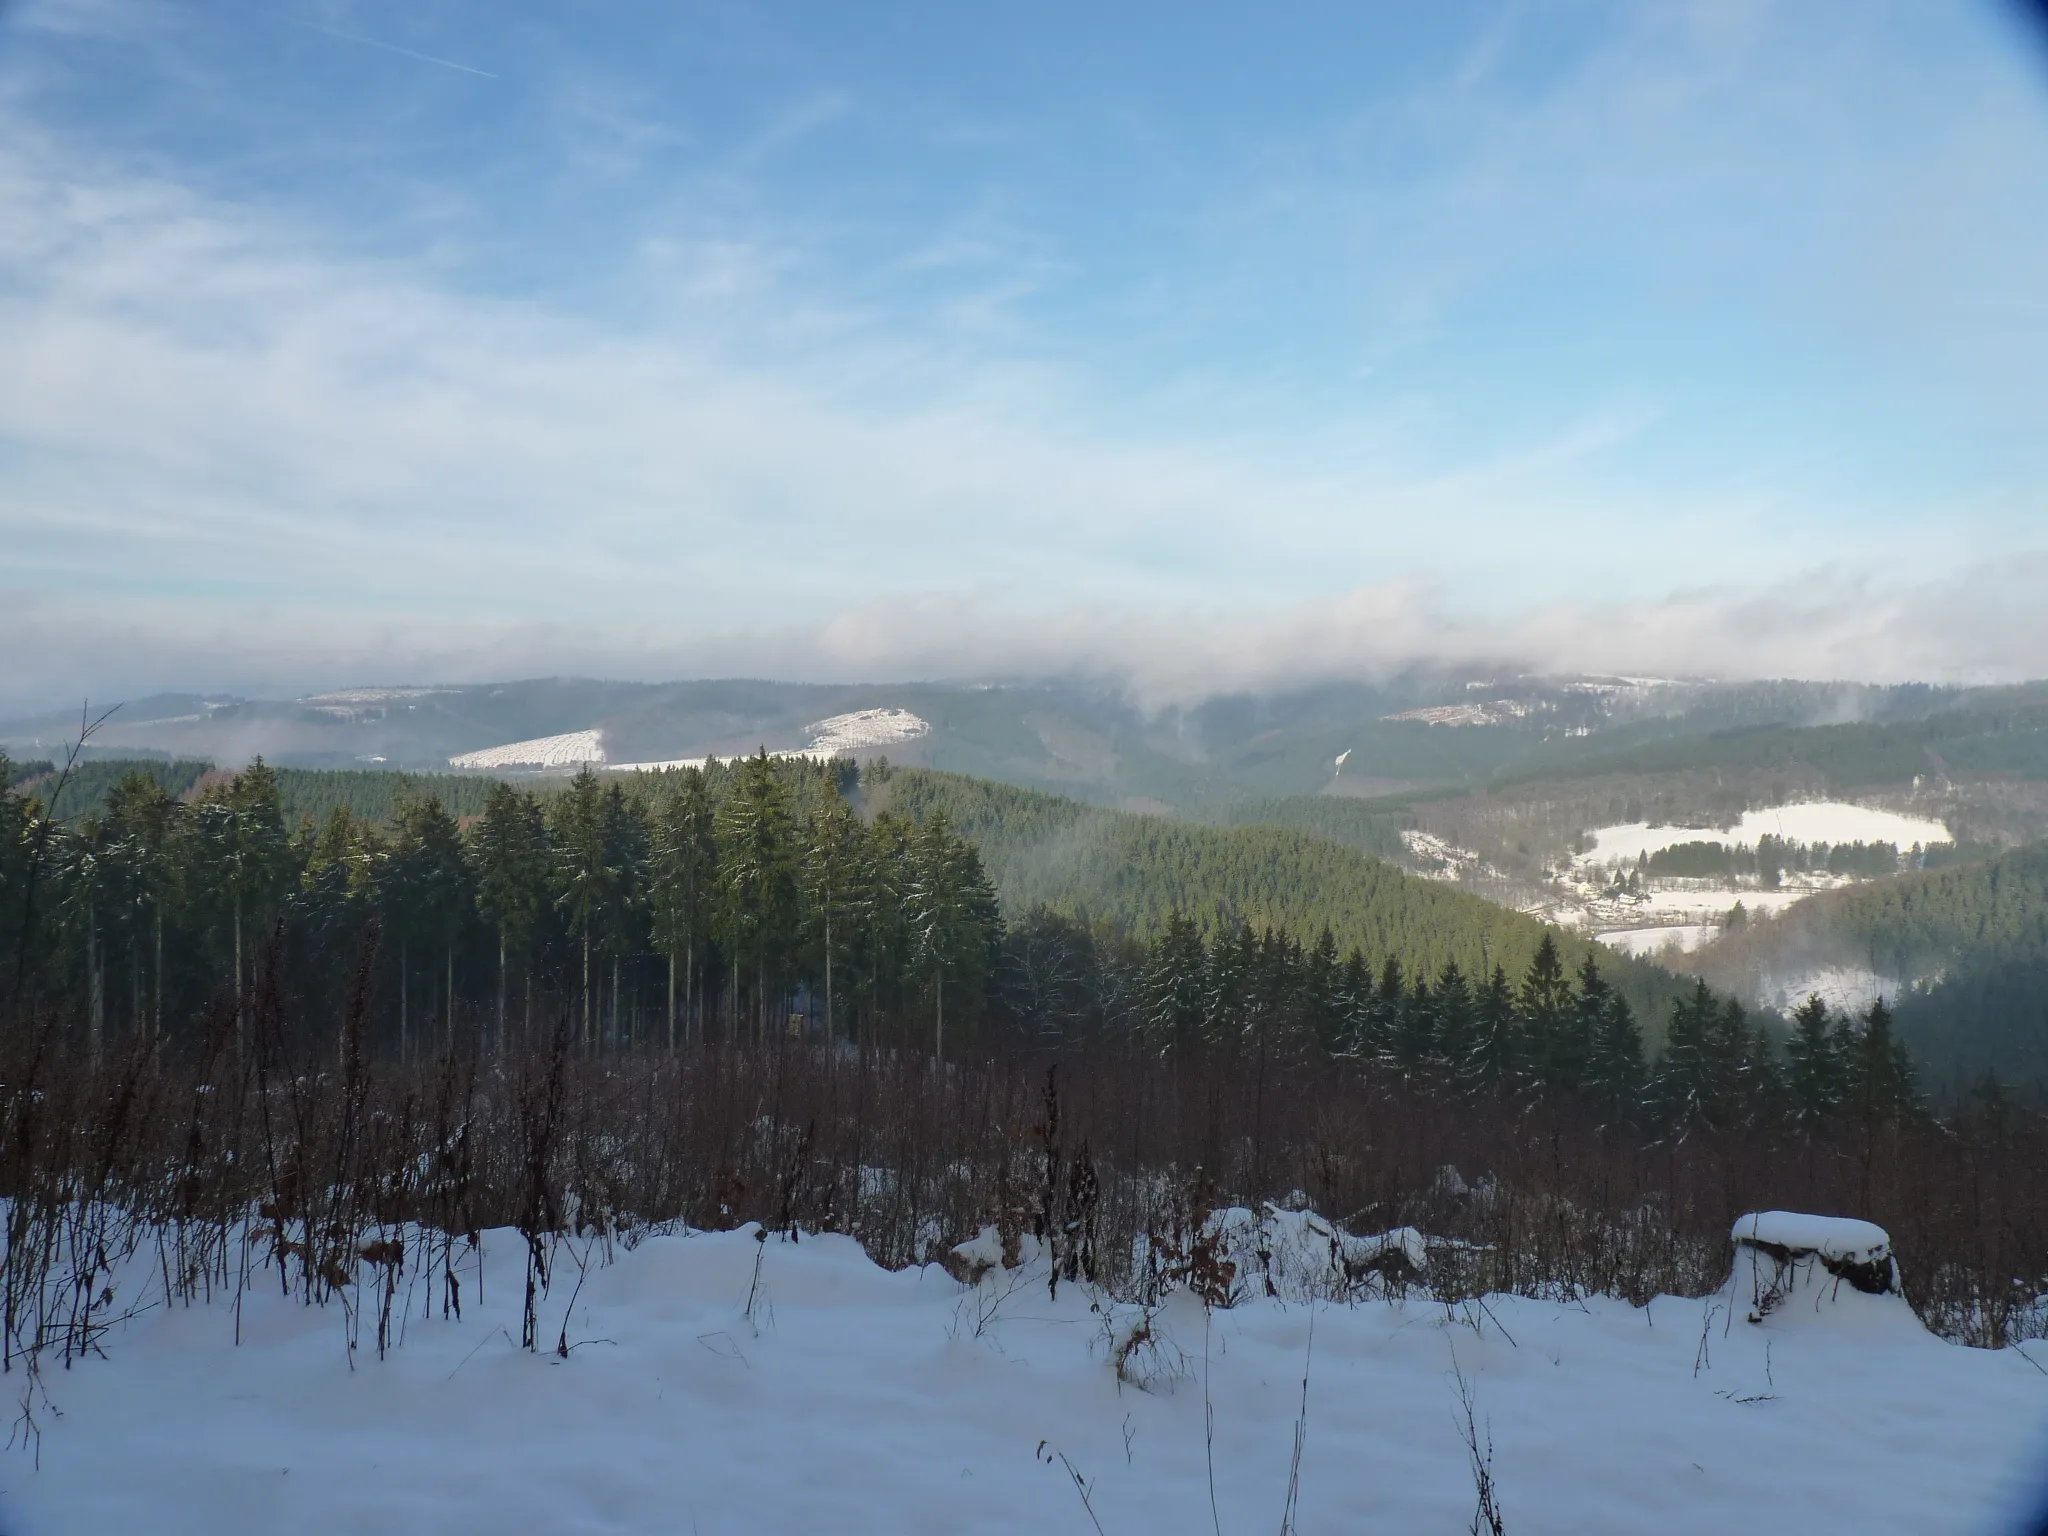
x=1414, y=733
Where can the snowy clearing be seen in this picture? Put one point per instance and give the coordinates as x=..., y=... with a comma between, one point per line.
x=1683, y=938
x=855, y=1399
x=1847, y=989
x=864, y=728
x=1817, y=821
x=573, y=749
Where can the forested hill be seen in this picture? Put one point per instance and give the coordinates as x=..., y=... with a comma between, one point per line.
x=305, y=794
x=1137, y=870
x=1969, y=946
x=2010, y=741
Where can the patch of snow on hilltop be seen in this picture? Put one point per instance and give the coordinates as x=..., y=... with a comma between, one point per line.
x=1492, y=712
x=864, y=728
x=572, y=749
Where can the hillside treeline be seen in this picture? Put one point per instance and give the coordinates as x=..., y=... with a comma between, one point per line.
x=733, y=900
x=1138, y=872
x=752, y=897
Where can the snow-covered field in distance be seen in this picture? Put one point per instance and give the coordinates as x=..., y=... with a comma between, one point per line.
x=1816, y=821
x=572, y=749
x=863, y=729
x=1648, y=943
x=858, y=1400
x=839, y=736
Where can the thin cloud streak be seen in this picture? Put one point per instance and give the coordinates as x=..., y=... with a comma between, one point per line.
x=371, y=42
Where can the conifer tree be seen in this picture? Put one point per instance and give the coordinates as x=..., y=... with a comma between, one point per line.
x=1614, y=1071
x=834, y=862
x=586, y=886
x=145, y=822
x=1494, y=1065
x=756, y=841
x=683, y=884
x=1814, y=1065
x=1457, y=1025
x=509, y=847
x=1176, y=985
x=1546, y=1009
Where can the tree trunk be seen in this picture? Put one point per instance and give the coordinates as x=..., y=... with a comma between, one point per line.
x=451, y=995
x=501, y=991
x=671, y=1002
x=98, y=1015
x=586, y=991
x=240, y=1024
x=829, y=1035
x=157, y=1024
x=404, y=1023
x=614, y=1042
x=939, y=1030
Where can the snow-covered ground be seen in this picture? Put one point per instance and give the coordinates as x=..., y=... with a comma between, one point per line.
x=839, y=736
x=857, y=1400
x=863, y=729
x=1847, y=989
x=1817, y=821
x=572, y=749
x=1647, y=943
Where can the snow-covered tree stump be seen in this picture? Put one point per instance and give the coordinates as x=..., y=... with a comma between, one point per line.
x=1781, y=1253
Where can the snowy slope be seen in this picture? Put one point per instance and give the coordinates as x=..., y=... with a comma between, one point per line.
x=572, y=749
x=858, y=1400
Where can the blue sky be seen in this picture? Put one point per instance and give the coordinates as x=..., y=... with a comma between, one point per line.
x=364, y=341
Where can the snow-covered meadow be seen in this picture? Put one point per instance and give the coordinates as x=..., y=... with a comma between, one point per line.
x=1810, y=822
x=850, y=1398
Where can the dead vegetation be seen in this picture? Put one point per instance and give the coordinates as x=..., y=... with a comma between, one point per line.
x=268, y=1155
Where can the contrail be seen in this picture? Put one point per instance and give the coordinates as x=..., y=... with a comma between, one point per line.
x=371, y=42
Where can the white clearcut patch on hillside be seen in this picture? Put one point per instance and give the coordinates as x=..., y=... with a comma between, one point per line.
x=1678, y=938
x=864, y=728
x=571, y=750
x=1817, y=821
x=858, y=1400
x=1847, y=989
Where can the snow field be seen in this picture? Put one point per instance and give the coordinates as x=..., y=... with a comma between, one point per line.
x=1644, y=943
x=864, y=728
x=571, y=750
x=1818, y=821
x=860, y=1400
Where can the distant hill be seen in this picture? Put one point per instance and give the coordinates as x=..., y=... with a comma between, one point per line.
x=1963, y=951
x=1135, y=870
x=1351, y=740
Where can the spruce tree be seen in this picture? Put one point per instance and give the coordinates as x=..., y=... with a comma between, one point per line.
x=1495, y=1063
x=512, y=860
x=1814, y=1065
x=1546, y=1007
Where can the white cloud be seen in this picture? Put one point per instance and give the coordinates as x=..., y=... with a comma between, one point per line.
x=235, y=452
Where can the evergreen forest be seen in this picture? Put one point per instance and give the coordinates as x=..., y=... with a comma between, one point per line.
x=776, y=898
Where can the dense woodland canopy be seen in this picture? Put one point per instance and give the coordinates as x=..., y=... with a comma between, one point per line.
x=770, y=895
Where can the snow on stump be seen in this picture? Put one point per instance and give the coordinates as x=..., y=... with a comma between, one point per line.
x=1780, y=1253
x=967, y=1262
